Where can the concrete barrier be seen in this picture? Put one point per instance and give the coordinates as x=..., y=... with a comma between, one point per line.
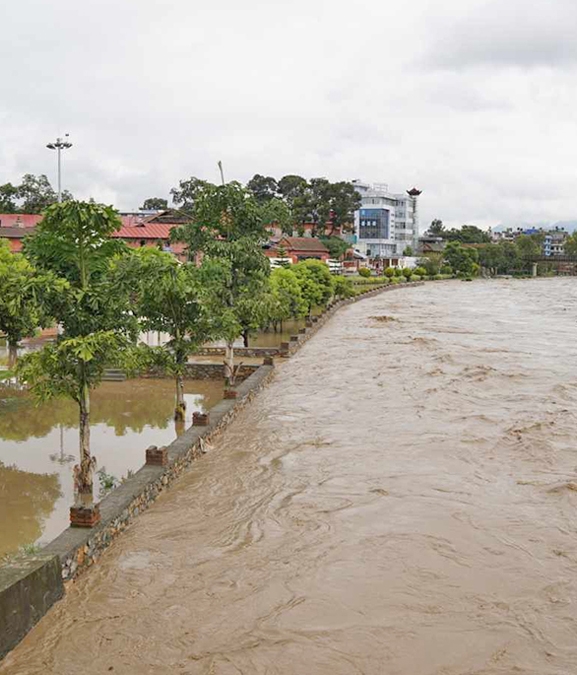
x=29, y=586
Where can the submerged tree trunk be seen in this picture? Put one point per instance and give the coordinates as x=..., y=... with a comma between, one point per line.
x=83, y=474
x=229, y=363
x=245, y=337
x=12, y=354
x=180, y=402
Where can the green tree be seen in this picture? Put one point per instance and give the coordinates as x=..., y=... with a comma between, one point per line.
x=20, y=291
x=35, y=194
x=337, y=246
x=342, y=287
x=98, y=328
x=185, y=194
x=263, y=188
x=8, y=198
x=570, y=245
x=316, y=282
x=389, y=272
x=175, y=299
x=431, y=263
x=436, y=228
x=468, y=234
x=291, y=187
x=227, y=226
x=408, y=251
x=461, y=259
x=527, y=246
x=275, y=211
x=288, y=300
x=154, y=204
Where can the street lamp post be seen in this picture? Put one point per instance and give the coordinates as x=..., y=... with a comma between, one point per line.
x=60, y=145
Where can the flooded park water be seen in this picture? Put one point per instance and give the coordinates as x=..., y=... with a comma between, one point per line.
x=400, y=500
x=39, y=447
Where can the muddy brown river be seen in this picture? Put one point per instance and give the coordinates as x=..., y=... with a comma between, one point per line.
x=401, y=500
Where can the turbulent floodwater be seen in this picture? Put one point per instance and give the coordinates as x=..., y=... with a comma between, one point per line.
x=401, y=500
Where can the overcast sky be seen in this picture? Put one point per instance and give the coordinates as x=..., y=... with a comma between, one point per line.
x=472, y=101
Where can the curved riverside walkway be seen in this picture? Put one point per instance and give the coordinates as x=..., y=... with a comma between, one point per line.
x=401, y=500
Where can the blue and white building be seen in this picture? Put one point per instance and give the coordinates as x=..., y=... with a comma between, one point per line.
x=387, y=222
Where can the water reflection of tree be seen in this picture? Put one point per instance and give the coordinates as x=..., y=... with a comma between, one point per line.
x=26, y=500
x=121, y=406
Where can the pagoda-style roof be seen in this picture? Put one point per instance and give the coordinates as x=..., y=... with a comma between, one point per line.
x=413, y=192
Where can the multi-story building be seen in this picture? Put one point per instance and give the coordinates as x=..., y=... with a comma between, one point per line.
x=387, y=222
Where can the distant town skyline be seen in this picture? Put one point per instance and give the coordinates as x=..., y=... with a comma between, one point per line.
x=471, y=102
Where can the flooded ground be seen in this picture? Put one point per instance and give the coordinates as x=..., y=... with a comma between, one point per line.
x=39, y=447
x=401, y=500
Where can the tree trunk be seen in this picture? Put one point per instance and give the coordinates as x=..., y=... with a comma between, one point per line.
x=83, y=474
x=180, y=402
x=245, y=338
x=179, y=428
x=12, y=354
x=229, y=363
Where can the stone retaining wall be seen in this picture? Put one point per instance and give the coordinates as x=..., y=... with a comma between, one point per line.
x=205, y=371
x=256, y=352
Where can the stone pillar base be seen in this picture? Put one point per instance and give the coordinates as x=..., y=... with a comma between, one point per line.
x=84, y=516
x=294, y=338
x=156, y=456
x=268, y=361
x=201, y=419
x=230, y=393
x=302, y=331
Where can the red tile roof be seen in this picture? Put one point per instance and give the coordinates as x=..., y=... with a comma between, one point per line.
x=19, y=219
x=304, y=244
x=144, y=231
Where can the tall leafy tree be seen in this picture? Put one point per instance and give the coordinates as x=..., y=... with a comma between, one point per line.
x=175, y=299
x=154, y=204
x=263, y=188
x=36, y=193
x=227, y=226
x=436, y=228
x=98, y=327
x=185, y=194
x=277, y=212
x=8, y=198
x=21, y=312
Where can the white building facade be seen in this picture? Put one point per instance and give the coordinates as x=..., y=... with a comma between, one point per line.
x=387, y=222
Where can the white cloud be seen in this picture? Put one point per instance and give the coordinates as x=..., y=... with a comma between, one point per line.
x=472, y=102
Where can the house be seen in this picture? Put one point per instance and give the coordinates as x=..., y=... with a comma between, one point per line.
x=152, y=230
x=137, y=229
x=15, y=226
x=299, y=248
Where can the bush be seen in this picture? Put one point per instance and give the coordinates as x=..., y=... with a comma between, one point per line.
x=342, y=287
x=390, y=272
x=446, y=269
x=438, y=277
x=364, y=272
x=407, y=272
x=398, y=272
x=415, y=277
x=420, y=271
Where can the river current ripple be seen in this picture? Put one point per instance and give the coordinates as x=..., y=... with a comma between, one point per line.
x=400, y=500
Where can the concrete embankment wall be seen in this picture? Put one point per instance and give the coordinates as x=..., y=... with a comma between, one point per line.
x=31, y=584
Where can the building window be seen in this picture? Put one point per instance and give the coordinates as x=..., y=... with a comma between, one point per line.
x=374, y=224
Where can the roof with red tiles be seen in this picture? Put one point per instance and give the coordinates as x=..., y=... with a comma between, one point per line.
x=24, y=220
x=304, y=244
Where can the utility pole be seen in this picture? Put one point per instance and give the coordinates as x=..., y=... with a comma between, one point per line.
x=60, y=145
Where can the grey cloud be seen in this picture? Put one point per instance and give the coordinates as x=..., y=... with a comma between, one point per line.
x=508, y=33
